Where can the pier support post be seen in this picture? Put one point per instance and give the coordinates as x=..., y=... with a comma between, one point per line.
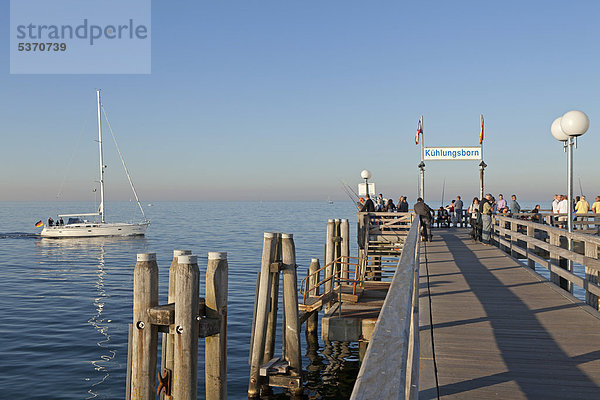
x=345, y=253
x=530, y=247
x=290, y=294
x=167, y=339
x=185, y=374
x=215, y=361
x=145, y=335
x=591, y=275
x=260, y=323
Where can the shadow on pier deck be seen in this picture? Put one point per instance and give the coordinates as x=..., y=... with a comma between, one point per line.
x=499, y=329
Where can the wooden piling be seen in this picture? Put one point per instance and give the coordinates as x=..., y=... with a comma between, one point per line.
x=167, y=339
x=215, y=362
x=145, y=335
x=258, y=344
x=290, y=294
x=345, y=252
x=329, y=254
x=185, y=373
x=273, y=306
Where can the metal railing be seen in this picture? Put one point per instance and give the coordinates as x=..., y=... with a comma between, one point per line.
x=338, y=272
x=390, y=368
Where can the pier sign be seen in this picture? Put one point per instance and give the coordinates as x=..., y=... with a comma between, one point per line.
x=452, y=153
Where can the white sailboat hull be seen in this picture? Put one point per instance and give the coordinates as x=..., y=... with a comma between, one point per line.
x=94, y=229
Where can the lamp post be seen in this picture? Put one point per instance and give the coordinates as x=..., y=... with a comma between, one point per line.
x=366, y=175
x=566, y=129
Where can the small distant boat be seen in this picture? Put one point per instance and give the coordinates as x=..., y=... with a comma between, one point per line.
x=329, y=200
x=150, y=204
x=78, y=226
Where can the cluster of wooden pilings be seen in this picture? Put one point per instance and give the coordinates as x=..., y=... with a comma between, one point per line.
x=278, y=258
x=182, y=321
x=337, y=247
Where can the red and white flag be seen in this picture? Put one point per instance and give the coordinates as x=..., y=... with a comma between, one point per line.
x=419, y=130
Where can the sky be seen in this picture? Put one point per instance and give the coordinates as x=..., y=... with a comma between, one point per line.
x=271, y=100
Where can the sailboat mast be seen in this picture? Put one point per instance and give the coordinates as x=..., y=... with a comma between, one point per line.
x=101, y=208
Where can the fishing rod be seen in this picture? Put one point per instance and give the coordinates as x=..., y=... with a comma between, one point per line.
x=350, y=188
x=580, y=188
x=352, y=199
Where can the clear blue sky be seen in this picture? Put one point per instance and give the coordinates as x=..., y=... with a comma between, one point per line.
x=278, y=100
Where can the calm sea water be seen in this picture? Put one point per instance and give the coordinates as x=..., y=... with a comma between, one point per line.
x=66, y=303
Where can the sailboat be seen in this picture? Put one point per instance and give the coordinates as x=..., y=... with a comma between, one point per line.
x=78, y=226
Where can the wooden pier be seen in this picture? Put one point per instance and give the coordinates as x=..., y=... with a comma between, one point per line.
x=499, y=329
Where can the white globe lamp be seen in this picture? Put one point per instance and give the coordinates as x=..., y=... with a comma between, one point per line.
x=574, y=123
x=557, y=131
x=365, y=174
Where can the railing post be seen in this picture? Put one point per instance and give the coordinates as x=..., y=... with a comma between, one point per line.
x=290, y=294
x=145, y=335
x=513, y=240
x=530, y=246
x=260, y=323
x=215, y=362
x=591, y=275
x=185, y=373
x=554, y=258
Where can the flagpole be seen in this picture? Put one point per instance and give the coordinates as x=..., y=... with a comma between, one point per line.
x=482, y=164
x=422, y=164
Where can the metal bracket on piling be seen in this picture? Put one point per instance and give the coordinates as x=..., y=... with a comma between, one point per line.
x=164, y=382
x=276, y=266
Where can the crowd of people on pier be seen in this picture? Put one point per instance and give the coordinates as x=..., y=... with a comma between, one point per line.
x=478, y=215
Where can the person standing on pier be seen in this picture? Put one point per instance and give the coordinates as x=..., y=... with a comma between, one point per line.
x=596, y=206
x=368, y=206
x=582, y=208
x=424, y=212
x=485, y=208
x=458, y=210
x=402, y=204
x=514, y=206
x=475, y=220
x=562, y=208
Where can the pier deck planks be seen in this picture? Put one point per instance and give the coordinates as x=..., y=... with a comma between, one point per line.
x=501, y=331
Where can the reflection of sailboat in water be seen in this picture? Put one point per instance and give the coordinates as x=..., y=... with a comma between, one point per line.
x=101, y=325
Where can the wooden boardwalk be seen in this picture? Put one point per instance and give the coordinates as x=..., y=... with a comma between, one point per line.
x=500, y=330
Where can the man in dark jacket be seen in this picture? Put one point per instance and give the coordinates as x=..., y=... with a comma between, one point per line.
x=368, y=206
x=424, y=212
x=402, y=205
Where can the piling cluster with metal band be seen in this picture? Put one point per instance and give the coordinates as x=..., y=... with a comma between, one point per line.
x=182, y=321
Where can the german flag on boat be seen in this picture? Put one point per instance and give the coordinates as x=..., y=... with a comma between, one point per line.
x=38, y=224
